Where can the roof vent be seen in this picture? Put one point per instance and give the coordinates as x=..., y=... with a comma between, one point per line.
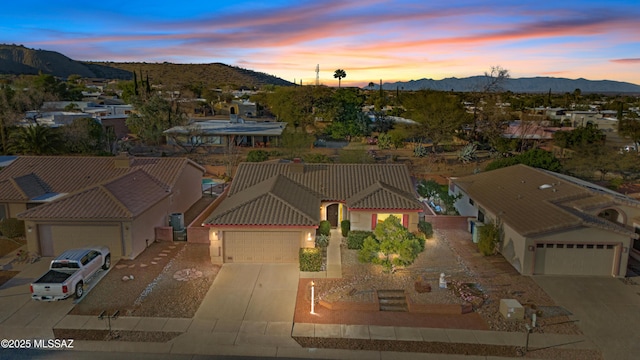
x=544, y=186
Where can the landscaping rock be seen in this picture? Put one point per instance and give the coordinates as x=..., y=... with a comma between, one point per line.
x=422, y=286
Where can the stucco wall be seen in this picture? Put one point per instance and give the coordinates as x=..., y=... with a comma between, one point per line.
x=15, y=209
x=143, y=227
x=188, y=189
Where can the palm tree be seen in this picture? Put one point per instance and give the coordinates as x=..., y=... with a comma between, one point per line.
x=35, y=140
x=339, y=74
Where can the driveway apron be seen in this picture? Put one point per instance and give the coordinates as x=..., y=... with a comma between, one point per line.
x=252, y=292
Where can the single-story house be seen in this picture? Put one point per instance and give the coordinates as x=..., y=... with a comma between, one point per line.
x=552, y=223
x=273, y=209
x=69, y=202
x=236, y=131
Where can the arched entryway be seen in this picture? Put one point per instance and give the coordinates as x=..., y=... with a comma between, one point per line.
x=332, y=214
x=612, y=215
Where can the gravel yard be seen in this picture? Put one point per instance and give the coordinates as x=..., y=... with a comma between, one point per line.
x=451, y=252
x=166, y=280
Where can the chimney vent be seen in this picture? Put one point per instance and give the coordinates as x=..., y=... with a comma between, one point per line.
x=297, y=166
x=122, y=161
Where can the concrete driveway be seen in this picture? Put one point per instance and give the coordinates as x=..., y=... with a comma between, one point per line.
x=252, y=292
x=607, y=309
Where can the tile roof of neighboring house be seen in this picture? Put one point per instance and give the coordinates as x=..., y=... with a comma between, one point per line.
x=122, y=198
x=534, y=201
x=289, y=194
x=67, y=174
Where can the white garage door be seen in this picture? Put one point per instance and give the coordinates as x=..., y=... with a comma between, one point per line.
x=261, y=247
x=54, y=239
x=575, y=259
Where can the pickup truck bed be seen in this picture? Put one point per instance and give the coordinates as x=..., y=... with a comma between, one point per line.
x=53, y=276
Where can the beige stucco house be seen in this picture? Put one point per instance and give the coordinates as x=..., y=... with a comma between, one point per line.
x=273, y=209
x=69, y=202
x=552, y=223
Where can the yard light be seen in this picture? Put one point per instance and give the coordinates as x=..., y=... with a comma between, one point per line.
x=312, y=298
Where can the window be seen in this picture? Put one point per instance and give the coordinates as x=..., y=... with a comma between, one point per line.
x=590, y=246
x=480, y=216
x=569, y=246
x=549, y=246
x=383, y=217
x=3, y=211
x=560, y=246
x=539, y=246
x=580, y=246
x=609, y=247
x=471, y=201
x=85, y=260
x=599, y=246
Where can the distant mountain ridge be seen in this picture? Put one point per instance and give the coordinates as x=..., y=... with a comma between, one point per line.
x=520, y=85
x=20, y=60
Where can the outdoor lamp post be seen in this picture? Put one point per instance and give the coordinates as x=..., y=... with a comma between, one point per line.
x=312, y=298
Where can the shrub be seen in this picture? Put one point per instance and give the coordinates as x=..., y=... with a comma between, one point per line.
x=356, y=238
x=489, y=237
x=310, y=259
x=314, y=158
x=345, y=227
x=426, y=228
x=322, y=241
x=257, y=156
x=324, y=228
x=12, y=228
x=392, y=246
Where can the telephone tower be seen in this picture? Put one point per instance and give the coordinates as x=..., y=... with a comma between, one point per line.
x=317, y=74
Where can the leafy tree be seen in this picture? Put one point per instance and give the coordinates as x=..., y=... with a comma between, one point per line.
x=153, y=116
x=537, y=158
x=392, y=246
x=398, y=136
x=439, y=114
x=580, y=138
x=348, y=119
x=428, y=188
x=35, y=140
x=339, y=74
x=257, y=156
x=296, y=142
x=384, y=141
x=84, y=136
x=630, y=128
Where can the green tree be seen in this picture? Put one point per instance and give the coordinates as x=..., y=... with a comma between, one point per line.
x=439, y=114
x=339, y=74
x=490, y=236
x=35, y=140
x=630, y=128
x=296, y=142
x=153, y=116
x=84, y=136
x=392, y=246
x=537, y=158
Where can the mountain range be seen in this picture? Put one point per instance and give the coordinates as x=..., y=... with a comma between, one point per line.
x=20, y=60
x=520, y=85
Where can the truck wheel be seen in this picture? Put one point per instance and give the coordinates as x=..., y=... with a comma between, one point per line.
x=79, y=290
x=107, y=262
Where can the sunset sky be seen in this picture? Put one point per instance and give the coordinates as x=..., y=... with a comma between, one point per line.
x=371, y=40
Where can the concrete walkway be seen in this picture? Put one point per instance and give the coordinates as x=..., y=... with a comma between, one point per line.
x=334, y=260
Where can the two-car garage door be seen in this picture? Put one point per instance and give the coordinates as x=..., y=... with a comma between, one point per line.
x=258, y=247
x=54, y=239
x=575, y=259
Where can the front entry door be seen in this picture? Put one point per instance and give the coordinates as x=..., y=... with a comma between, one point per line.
x=332, y=215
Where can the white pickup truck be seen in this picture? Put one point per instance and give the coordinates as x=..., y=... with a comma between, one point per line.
x=69, y=272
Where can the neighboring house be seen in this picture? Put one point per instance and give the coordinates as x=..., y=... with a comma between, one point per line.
x=552, y=223
x=69, y=202
x=273, y=209
x=237, y=131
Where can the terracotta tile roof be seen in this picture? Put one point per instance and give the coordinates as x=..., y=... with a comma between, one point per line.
x=532, y=201
x=123, y=198
x=275, y=201
x=382, y=196
x=10, y=191
x=291, y=193
x=67, y=174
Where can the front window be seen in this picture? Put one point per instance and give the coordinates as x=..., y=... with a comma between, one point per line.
x=383, y=217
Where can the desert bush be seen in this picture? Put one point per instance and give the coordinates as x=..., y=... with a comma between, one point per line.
x=12, y=228
x=310, y=259
x=356, y=238
x=345, y=227
x=426, y=228
x=489, y=237
x=257, y=156
x=322, y=241
x=324, y=228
